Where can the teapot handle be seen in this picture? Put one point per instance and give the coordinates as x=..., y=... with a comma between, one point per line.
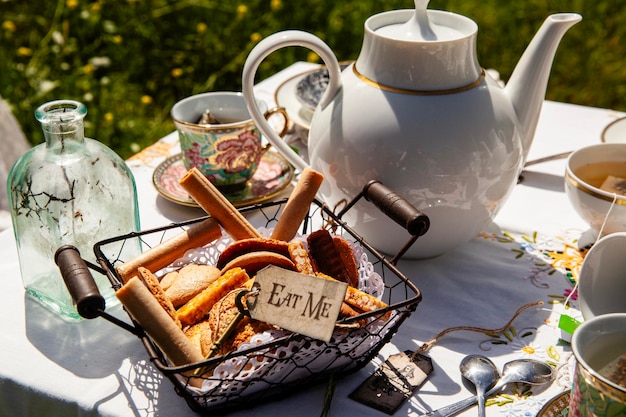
x=264, y=48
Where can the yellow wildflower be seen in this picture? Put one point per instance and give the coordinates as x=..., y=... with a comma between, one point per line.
x=312, y=57
x=88, y=68
x=242, y=9
x=9, y=25
x=72, y=4
x=177, y=72
x=24, y=51
x=117, y=39
x=108, y=117
x=276, y=4
x=146, y=99
x=255, y=37
x=201, y=27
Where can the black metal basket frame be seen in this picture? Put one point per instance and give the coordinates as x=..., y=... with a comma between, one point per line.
x=394, y=281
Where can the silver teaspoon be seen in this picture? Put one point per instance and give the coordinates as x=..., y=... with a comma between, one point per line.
x=481, y=372
x=528, y=371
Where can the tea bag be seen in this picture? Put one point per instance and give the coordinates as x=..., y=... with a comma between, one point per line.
x=208, y=119
x=615, y=371
x=394, y=382
x=614, y=185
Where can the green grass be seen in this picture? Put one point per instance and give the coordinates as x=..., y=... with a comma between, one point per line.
x=129, y=61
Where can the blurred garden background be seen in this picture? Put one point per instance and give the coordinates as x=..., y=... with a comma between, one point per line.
x=130, y=60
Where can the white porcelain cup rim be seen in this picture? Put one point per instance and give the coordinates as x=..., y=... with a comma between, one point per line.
x=589, y=331
x=600, y=276
x=590, y=154
x=191, y=108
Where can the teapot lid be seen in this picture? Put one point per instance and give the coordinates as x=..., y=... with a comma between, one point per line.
x=420, y=28
x=419, y=51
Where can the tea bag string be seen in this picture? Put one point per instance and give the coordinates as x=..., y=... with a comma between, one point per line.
x=598, y=237
x=427, y=345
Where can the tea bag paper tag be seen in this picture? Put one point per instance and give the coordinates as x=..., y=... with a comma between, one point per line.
x=297, y=302
x=394, y=382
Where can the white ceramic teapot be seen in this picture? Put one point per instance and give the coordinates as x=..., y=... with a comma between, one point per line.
x=418, y=113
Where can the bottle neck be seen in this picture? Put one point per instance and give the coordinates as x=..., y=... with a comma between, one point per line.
x=62, y=136
x=62, y=124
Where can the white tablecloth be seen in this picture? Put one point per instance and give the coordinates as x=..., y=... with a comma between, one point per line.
x=52, y=368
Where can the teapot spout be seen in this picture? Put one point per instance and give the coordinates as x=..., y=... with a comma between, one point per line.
x=527, y=85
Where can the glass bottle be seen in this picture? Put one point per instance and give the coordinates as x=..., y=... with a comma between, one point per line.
x=68, y=190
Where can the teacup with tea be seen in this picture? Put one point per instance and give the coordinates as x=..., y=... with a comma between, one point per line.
x=218, y=137
x=595, y=183
x=599, y=383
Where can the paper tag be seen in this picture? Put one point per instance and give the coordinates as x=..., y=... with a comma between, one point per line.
x=297, y=302
x=394, y=382
x=567, y=325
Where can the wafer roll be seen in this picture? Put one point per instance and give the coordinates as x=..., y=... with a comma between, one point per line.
x=213, y=202
x=167, y=252
x=144, y=308
x=297, y=205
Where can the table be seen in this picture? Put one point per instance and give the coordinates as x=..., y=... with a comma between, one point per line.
x=49, y=367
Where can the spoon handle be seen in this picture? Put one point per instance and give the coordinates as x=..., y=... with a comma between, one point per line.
x=481, y=405
x=452, y=409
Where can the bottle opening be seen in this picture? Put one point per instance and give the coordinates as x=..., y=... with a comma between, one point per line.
x=61, y=111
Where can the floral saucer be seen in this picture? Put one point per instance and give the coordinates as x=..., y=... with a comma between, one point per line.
x=556, y=407
x=272, y=176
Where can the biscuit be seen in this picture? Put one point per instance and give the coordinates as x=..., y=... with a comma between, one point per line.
x=154, y=286
x=191, y=280
x=243, y=246
x=199, y=306
x=255, y=261
x=326, y=257
x=300, y=257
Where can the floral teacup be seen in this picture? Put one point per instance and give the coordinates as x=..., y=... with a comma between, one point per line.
x=599, y=385
x=218, y=137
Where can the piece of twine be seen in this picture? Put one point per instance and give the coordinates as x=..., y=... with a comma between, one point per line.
x=598, y=237
x=427, y=345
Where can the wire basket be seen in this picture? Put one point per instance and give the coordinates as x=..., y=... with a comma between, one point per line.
x=274, y=362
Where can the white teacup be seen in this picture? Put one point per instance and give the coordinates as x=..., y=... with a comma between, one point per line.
x=602, y=278
x=586, y=170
